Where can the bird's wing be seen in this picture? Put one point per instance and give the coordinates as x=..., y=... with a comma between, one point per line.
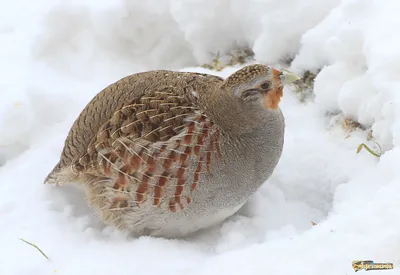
x=142, y=141
x=146, y=107
x=154, y=148
x=156, y=117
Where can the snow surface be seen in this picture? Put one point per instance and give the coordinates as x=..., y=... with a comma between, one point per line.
x=56, y=55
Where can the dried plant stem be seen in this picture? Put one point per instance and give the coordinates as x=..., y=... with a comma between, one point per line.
x=368, y=149
x=35, y=246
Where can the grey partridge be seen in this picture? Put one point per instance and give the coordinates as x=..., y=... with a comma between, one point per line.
x=166, y=153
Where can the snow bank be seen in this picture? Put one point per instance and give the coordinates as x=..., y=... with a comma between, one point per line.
x=111, y=35
x=357, y=48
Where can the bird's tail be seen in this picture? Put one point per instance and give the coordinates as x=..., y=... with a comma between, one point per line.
x=60, y=175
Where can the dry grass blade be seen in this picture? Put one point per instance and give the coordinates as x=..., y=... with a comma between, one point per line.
x=35, y=246
x=216, y=64
x=363, y=145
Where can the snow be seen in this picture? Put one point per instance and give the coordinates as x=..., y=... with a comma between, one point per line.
x=357, y=50
x=56, y=55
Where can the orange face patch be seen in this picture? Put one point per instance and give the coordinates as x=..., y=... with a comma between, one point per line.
x=272, y=99
x=275, y=76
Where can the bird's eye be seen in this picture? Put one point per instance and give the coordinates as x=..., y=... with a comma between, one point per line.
x=265, y=85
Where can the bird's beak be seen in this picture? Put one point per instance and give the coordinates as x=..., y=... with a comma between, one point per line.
x=288, y=77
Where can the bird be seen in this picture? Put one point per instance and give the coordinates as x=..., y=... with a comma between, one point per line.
x=167, y=153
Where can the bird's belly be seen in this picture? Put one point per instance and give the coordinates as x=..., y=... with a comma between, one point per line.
x=184, y=224
x=215, y=199
x=189, y=203
x=226, y=190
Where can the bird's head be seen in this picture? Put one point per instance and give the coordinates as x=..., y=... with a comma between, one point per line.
x=248, y=98
x=259, y=85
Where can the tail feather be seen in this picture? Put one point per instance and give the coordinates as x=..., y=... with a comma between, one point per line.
x=60, y=175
